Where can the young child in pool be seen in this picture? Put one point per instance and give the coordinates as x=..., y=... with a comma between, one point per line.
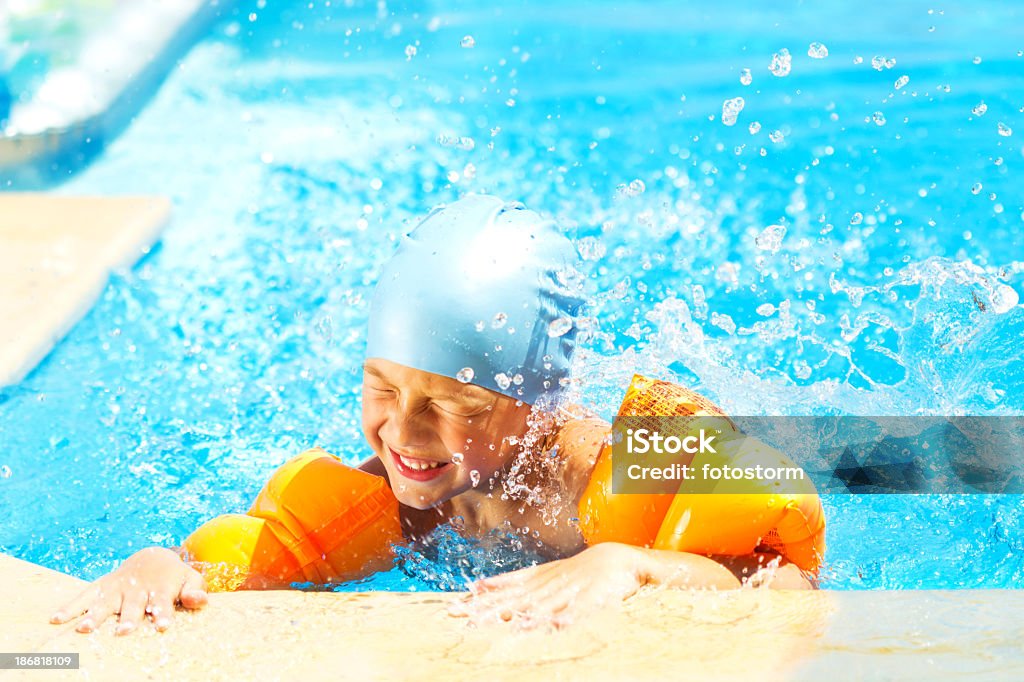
x=460, y=363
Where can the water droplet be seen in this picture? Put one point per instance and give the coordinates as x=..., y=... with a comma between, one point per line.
x=858, y=60
x=879, y=118
x=590, y=248
x=979, y=109
x=517, y=379
x=878, y=63
x=5, y=471
x=754, y=128
x=499, y=321
x=474, y=477
x=745, y=77
x=410, y=52
x=976, y=60
x=731, y=108
x=503, y=381
x=976, y=188
x=479, y=326
x=724, y=322
x=323, y=327
x=776, y=136
x=770, y=238
x=781, y=64
x=1004, y=129
x=1003, y=298
x=465, y=375
x=468, y=41
x=559, y=327
x=857, y=218
x=765, y=309
x=817, y=51
x=801, y=369
x=901, y=81
x=634, y=188
x=457, y=458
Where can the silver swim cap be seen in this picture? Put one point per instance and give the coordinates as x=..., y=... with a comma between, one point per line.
x=482, y=291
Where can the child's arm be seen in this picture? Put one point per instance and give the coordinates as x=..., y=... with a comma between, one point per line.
x=151, y=581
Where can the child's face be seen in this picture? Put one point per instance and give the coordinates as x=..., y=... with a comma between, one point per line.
x=433, y=432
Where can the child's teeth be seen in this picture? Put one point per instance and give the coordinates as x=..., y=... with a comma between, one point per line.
x=418, y=465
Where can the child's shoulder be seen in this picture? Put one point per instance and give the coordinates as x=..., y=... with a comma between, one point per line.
x=579, y=435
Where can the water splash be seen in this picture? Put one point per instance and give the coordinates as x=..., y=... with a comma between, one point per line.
x=770, y=238
x=633, y=189
x=817, y=51
x=559, y=327
x=731, y=108
x=781, y=64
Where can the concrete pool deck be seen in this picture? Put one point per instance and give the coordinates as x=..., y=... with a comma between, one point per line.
x=763, y=635
x=56, y=256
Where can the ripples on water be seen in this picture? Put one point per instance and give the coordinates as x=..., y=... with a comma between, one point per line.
x=827, y=253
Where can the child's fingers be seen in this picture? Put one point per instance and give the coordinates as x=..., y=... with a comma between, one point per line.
x=101, y=609
x=193, y=591
x=133, y=611
x=502, y=606
x=76, y=606
x=505, y=580
x=161, y=609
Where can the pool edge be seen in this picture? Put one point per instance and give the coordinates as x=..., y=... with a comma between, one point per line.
x=59, y=252
x=658, y=635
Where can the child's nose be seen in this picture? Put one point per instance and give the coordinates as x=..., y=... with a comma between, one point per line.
x=408, y=425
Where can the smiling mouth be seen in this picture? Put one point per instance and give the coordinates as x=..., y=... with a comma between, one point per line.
x=416, y=468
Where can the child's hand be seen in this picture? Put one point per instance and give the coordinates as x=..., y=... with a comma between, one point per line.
x=559, y=592
x=150, y=582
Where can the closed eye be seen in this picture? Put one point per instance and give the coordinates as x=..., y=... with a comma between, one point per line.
x=457, y=411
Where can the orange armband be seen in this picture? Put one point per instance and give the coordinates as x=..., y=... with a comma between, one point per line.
x=316, y=520
x=728, y=520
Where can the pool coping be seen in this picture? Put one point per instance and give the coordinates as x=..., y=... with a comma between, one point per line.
x=658, y=634
x=56, y=257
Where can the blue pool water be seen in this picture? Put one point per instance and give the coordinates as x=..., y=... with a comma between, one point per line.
x=297, y=144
